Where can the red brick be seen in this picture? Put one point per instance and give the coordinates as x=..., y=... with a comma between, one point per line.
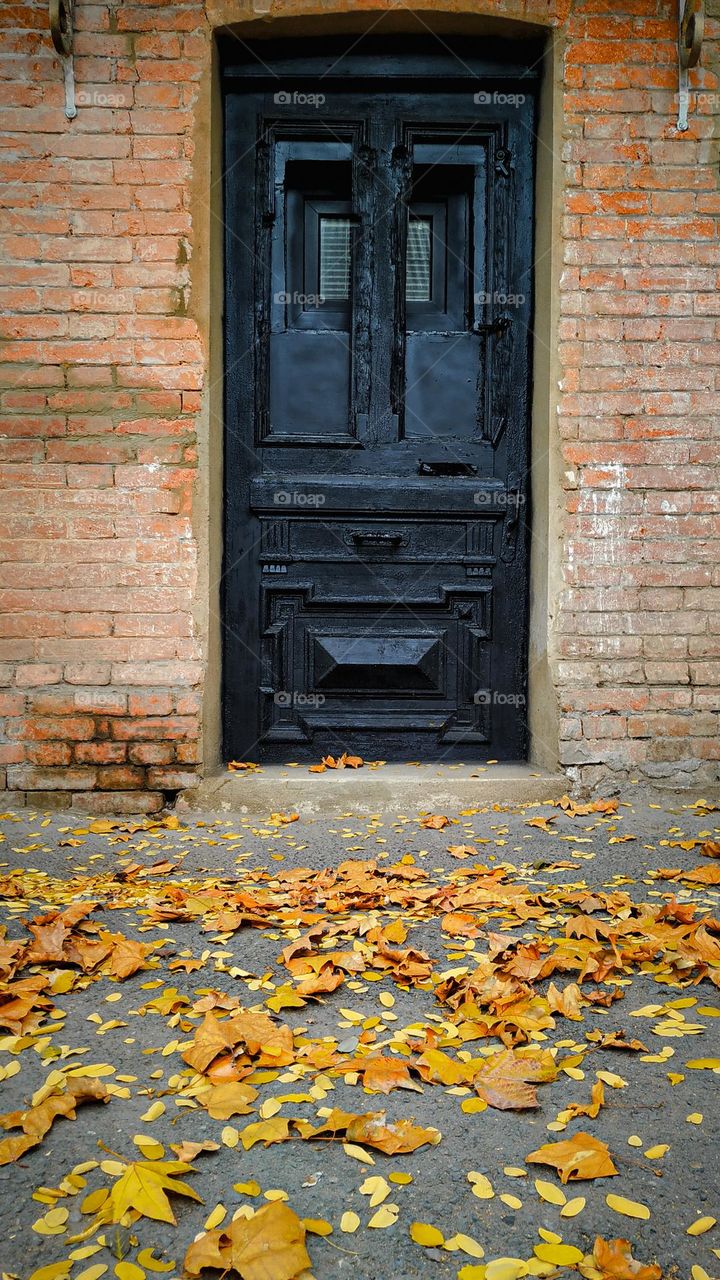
x=150, y=704
x=65, y=728
x=121, y=778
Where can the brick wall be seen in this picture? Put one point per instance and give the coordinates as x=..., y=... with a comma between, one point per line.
x=104, y=366
x=638, y=647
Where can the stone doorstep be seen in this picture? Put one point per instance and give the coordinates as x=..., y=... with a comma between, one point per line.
x=393, y=788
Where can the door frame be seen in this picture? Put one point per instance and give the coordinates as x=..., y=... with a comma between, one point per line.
x=545, y=459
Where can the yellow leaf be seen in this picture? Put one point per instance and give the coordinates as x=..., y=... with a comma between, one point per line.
x=697, y=1273
x=151, y=1150
x=505, y=1269
x=215, y=1218
x=128, y=1271
x=385, y=1216
x=147, y=1259
x=656, y=1153
x=317, y=1226
x=549, y=1192
x=247, y=1188
x=512, y=1202
x=275, y=1130
x=630, y=1208
x=429, y=1237
x=92, y=1273
x=349, y=1222
x=401, y=1179
x=561, y=1255
x=699, y=1064
x=700, y=1226
x=481, y=1186
x=695, y=1117
x=473, y=1106
x=55, y=1271
x=230, y=1136
x=611, y=1079
x=152, y=1113
x=357, y=1153
x=269, y=1108
x=466, y=1244
x=92, y=1202
x=471, y=1272
x=377, y=1188
x=573, y=1207
x=143, y=1186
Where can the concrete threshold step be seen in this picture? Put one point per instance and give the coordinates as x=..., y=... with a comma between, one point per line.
x=432, y=787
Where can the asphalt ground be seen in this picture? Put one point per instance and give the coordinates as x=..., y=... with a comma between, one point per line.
x=52, y=860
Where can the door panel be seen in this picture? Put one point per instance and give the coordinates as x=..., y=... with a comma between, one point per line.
x=377, y=317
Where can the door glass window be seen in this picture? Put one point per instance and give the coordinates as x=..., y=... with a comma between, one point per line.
x=335, y=258
x=418, y=271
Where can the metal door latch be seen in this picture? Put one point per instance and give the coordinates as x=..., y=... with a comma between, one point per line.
x=691, y=30
x=61, y=30
x=493, y=327
x=514, y=500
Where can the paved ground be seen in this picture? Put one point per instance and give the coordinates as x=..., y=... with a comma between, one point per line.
x=579, y=867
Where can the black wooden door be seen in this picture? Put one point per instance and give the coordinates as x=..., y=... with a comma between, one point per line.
x=378, y=302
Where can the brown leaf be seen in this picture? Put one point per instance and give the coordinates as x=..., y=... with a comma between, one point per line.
x=574, y=810
x=591, y=1108
x=503, y=1081
x=614, y=1259
x=225, y=1100
x=211, y=1039
x=187, y=1151
x=434, y=821
x=380, y=1074
x=268, y=1246
x=577, y=1158
x=462, y=851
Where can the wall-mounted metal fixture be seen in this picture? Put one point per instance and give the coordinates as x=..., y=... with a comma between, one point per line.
x=691, y=29
x=61, y=30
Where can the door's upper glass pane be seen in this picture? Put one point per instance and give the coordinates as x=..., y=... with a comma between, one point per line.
x=335, y=246
x=418, y=271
